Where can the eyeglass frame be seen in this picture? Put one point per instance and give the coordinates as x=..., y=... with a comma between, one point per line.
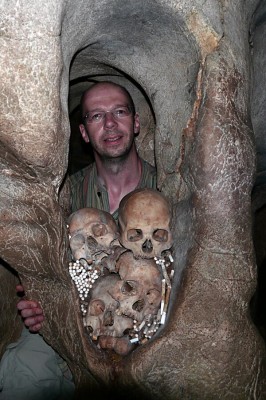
x=85, y=118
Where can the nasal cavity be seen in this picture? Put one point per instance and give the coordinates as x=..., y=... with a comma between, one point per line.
x=147, y=246
x=108, y=319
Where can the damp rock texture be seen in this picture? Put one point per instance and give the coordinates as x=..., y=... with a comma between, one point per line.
x=188, y=65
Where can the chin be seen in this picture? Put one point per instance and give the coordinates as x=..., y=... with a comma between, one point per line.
x=115, y=153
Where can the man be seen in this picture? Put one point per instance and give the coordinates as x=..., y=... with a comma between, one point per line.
x=110, y=124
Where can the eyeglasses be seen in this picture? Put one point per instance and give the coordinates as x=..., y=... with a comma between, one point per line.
x=94, y=117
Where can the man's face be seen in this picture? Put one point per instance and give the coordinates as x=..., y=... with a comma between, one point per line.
x=111, y=137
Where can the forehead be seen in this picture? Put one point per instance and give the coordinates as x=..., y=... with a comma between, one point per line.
x=104, y=96
x=85, y=218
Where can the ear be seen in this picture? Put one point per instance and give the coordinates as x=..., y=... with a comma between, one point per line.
x=136, y=124
x=84, y=133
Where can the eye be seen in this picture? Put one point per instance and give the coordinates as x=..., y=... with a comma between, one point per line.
x=133, y=235
x=99, y=230
x=77, y=240
x=95, y=117
x=160, y=235
x=121, y=112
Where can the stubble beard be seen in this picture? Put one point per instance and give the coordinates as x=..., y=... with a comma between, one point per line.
x=112, y=157
x=118, y=160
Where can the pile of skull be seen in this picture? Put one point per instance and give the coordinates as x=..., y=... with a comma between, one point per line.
x=123, y=275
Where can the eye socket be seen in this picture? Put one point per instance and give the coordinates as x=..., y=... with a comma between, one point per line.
x=89, y=329
x=91, y=242
x=99, y=230
x=128, y=288
x=160, y=235
x=96, y=307
x=77, y=240
x=133, y=235
x=138, y=305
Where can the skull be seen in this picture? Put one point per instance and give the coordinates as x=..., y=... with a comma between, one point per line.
x=144, y=218
x=103, y=323
x=139, y=291
x=92, y=232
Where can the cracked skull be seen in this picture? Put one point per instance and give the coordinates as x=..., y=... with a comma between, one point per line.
x=102, y=321
x=139, y=290
x=92, y=233
x=144, y=219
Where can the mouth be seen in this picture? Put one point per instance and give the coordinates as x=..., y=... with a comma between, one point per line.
x=113, y=138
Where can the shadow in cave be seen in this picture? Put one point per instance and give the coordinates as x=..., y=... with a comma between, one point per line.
x=258, y=302
x=114, y=393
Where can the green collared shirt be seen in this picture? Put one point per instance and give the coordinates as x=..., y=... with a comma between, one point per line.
x=86, y=190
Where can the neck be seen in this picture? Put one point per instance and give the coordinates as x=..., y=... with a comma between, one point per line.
x=119, y=175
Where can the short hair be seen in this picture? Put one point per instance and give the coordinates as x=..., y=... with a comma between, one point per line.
x=122, y=88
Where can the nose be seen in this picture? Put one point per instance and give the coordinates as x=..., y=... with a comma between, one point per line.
x=147, y=246
x=109, y=120
x=108, y=319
